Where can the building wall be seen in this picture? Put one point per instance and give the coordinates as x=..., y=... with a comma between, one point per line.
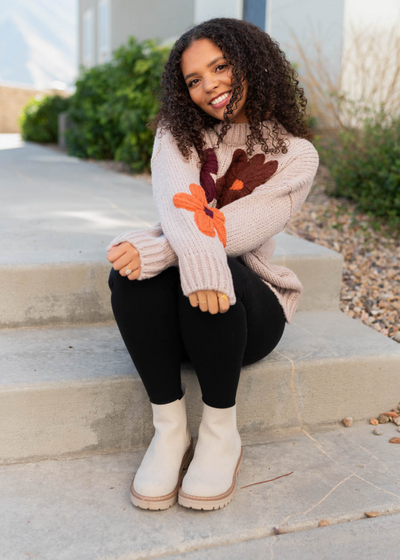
x=150, y=19
x=370, y=59
x=208, y=9
x=312, y=22
x=162, y=19
x=12, y=101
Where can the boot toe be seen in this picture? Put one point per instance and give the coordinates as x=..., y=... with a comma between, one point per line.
x=206, y=486
x=155, y=485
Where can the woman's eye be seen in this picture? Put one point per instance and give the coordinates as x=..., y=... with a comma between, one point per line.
x=219, y=66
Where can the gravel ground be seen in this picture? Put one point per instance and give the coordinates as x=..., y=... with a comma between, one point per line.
x=370, y=289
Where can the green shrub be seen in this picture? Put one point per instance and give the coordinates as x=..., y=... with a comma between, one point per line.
x=39, y=118
x=113, y=103
x=365, y=166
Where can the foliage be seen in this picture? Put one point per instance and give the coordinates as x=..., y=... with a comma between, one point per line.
x=39, y=118
x=365, y=165
x=113, y=104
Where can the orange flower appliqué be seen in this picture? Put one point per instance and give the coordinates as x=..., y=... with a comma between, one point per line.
x=207, y=219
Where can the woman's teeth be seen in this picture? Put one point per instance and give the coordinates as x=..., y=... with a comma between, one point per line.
x=219, y=99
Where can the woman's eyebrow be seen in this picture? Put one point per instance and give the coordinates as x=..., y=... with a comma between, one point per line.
x=208, y=66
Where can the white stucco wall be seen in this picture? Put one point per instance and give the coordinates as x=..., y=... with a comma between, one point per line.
x=310, y=21
x=371, y=31
x=207, y=9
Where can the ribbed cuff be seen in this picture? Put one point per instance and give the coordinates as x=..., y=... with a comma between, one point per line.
x=206, y=271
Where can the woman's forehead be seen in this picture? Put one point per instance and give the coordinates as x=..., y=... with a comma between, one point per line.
x=200, y=53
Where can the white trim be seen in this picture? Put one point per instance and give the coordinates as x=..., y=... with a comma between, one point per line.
x=104, y=50
x=268, y=17
x=239, y=7
x=88, y=38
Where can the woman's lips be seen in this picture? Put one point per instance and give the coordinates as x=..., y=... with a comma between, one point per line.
x=223, y=103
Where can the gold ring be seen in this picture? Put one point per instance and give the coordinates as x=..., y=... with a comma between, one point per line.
x=202, y=301
x=224, y=296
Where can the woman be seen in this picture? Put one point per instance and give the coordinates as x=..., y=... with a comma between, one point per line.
x=206, y=291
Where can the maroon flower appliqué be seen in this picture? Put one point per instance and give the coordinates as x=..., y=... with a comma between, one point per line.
x=208, y=167
x=243, y=176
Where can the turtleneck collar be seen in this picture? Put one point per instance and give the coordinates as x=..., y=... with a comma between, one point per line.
x=237, y=134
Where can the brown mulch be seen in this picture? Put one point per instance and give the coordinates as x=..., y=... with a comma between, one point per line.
x=370, y=289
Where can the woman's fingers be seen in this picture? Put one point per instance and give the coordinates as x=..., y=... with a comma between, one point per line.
x=202, y=299
x=135, y=271
x=125, y=257
x=208, y=300
x=223, y=302
x=193, y=299
x=115, y=252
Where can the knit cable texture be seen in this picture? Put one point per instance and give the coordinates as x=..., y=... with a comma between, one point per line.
x=190, y=233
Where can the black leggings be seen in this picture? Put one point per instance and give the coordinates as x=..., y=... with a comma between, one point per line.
x=160, y=328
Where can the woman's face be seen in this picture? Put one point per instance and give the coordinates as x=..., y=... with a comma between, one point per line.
x=208, y=76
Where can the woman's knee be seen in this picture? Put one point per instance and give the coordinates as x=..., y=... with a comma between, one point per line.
x=117, y=281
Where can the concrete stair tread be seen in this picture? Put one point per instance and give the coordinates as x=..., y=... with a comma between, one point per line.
x=85, y=399
x=81, y=508
x=98, y=350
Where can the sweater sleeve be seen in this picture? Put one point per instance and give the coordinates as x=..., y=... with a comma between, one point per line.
x=251, y=220
x=155, y=252
x=255, y=218
x=195, y=232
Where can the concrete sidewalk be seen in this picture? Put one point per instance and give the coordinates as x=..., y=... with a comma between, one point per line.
x=80, y=509
x=68, y=387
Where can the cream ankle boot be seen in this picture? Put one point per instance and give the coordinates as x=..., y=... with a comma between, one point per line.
x=211, y=478
x=156, y=483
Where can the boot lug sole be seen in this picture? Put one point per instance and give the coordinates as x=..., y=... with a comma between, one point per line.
x=212, y=502
x=163, y=502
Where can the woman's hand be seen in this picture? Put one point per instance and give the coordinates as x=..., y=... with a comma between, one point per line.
x=208, y=300
x=125, y=256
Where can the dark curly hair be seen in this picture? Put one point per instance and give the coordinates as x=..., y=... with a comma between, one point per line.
x=274, y=95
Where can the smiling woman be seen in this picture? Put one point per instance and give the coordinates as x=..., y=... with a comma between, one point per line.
x=211, y=90
x=206, y=291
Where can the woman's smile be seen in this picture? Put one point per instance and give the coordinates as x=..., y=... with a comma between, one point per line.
x=221, y=100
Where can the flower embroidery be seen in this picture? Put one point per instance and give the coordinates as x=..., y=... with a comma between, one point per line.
x=206, y=181
x=207, y=219
x=243, y=176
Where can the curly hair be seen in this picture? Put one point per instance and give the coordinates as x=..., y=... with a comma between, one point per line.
x=273, y=94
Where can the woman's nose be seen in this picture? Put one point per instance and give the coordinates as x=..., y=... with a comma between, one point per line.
x=210, y=84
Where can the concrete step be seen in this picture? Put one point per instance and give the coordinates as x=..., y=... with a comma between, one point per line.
x=73, y=391
x=62, y=293
x=57, y=216
x=80, y=509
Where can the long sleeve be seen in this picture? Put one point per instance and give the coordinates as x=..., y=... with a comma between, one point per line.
x=195, y=232
x=255, y=218
x=155, y=251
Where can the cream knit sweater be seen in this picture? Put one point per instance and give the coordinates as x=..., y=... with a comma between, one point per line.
x=233, y=206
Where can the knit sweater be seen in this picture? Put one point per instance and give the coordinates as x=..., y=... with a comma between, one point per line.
x=231, y=206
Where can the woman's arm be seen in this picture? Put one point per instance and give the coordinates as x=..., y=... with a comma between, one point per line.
x=155, y=251
x=196, y=233
x=253, y=219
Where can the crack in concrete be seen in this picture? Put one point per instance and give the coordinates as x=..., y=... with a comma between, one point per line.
x=292, y=387
x=322, y=340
